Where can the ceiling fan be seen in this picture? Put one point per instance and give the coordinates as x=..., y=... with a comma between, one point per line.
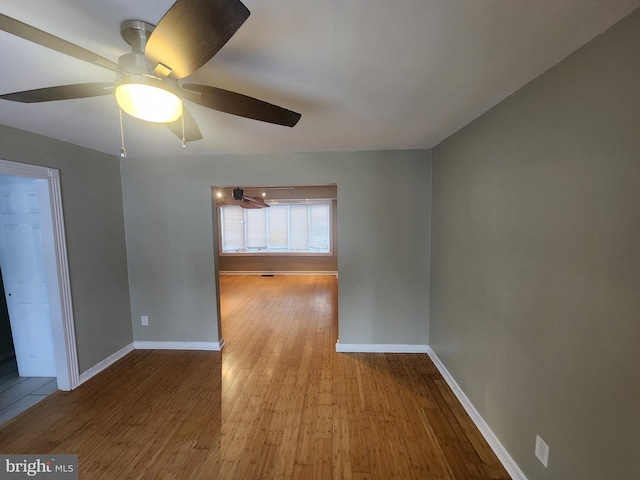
x=238, y=198
x=146, y=86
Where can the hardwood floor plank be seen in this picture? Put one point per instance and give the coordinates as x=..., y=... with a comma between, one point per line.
x=305, y=453
x=416, y=459
x=358, y=443
x=323, y=459
x=285, y=462
x=302, y=472
x=341, y=446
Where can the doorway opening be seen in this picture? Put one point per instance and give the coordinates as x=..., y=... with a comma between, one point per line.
x=295, y=235
x=35, y=271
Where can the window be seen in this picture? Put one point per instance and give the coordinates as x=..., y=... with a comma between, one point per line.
x=283, y=228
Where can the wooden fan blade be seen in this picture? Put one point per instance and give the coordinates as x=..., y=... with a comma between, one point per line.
x=256, y=201
x=192, y=32
x=45, y=39
x=62, y=92
x=191, y=130
x=238, y=104
x=221, y=202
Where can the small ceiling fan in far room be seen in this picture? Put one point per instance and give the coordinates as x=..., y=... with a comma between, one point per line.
x=238, y=198
x=146, y=86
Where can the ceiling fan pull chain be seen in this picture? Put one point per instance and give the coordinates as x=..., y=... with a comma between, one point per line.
x=184, y=140
x=123, y=151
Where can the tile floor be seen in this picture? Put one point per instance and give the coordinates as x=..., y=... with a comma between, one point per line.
x=17, y=394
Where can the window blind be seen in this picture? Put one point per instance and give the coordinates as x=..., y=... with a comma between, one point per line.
x=319, y=227
x=232, y=220
x=256, y=228
x=279, y=227
x=282, y=228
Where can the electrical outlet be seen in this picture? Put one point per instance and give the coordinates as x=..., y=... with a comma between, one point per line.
x=542, y=451
x=144, y=320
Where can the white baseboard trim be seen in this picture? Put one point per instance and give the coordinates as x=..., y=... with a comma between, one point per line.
x=107, y=362
x=113, y=358
x=209, y=346
x=323, y=272
x=379, y=348
x=6, y=355
x=509, y=464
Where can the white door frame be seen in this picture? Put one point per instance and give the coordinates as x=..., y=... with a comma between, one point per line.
x=62, y=325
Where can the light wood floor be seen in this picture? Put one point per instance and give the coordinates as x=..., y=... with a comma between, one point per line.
x=277, y=403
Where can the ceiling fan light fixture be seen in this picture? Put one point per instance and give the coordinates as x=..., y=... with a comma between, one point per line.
x=146, y=98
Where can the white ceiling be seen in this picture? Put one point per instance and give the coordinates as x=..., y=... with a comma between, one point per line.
x=364, y=74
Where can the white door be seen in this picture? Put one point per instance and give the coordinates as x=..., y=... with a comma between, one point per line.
x=24, y=274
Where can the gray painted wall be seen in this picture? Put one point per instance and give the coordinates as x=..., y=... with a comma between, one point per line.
x=384, y=254
x=92, y=205
x=536, y=263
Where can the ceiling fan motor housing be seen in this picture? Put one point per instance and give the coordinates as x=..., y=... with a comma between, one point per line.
x=136, y=33
x=134, y=62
